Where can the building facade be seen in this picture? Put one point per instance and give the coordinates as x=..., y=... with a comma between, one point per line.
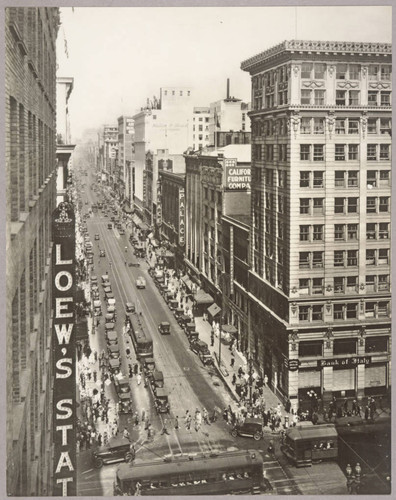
x=217, y=184
x=64, y=147
x=200, y=128
x=229, y=122
x=30, y=149
x=320, y=242
x=126, y=133
x=110, y=155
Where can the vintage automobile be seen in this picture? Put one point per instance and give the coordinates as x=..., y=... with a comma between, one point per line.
x=107, y=288
x=102, y=253
x=94, y=280
x=183, y=320
x=148, y=367
x=140, y=282
x=173, y=304
x=109, y=294
x=111, y=337
x=178, y=313
x=105, y=279
x=130, y=307
x=97, y=237
x=109, y=326
x=191, y=332
x=157, y=380
x=201, y=348
x=116, y=450
x=161, y=401
x=109, y=225
x=114, y=365
x=112, y=310
x=123, y=390
x=110, y=302
x=251, y=427
x=110, y=317
x=114, y=351
x=121, y=231
x=97, y=306
x=164, y=328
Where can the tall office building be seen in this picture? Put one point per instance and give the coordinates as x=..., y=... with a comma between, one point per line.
x=30, y=149
x=321, y=184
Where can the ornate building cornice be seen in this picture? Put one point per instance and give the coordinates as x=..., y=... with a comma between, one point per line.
x=317, y=47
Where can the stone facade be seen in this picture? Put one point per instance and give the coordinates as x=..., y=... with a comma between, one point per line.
x=320, y=276
x=30, y=149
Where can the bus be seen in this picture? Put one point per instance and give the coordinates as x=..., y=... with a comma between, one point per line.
x=234, y=472
x=308, y=444
x=141, y=338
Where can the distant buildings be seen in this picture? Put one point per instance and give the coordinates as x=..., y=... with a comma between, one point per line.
x=162, y=125
x=109, y=155
x=126, y=133
x=319, y=284
x=200, y=128
x=30, y=153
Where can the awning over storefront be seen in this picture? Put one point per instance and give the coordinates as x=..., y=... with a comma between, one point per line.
x=202, y=297
x=127, y=209
x=186, y=280
x=229, y=329
x=143, y=226
x=136, y=220
x=214, y=310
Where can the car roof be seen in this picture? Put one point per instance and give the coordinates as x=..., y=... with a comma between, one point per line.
x=115, y=443
x=164, y=323
x=160, y=392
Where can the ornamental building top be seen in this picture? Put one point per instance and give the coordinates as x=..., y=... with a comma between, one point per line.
x=318, y=47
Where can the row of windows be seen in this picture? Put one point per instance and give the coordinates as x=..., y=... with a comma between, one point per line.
x=344, y=284
x=374, y=231
x=212, y=193
x=343, y=346
x=346, y=71
x=344, y=311
x=342, y=178
x=200, y=119
x=344, y=152
x=201, y=137
x=310, y=125
x=374, y=257
x=200, y=128
x=188, y=93
x=315, y=206
x=317, y=97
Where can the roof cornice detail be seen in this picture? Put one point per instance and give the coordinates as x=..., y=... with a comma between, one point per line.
x=318, y=46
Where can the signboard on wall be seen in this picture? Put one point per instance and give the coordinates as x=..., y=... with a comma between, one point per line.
x=159, y=203
x=182, y=216
x=237, y=178
x=63, y=351
x=231, y=260
x=144, y=187
x=347, y=362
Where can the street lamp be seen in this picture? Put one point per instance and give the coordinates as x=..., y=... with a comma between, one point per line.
x=353, y=480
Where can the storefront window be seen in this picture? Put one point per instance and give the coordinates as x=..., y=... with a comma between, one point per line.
x=344, y=346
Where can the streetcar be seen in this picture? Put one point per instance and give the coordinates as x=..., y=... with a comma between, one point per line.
x=141, y=338
x=306, y=445
x=233, y=472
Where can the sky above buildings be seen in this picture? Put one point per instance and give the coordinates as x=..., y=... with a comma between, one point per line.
x=120, y=56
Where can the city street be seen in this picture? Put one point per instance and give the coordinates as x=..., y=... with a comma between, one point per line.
x=189, y=384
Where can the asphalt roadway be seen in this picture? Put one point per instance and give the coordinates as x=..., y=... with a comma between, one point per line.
x=189, y=384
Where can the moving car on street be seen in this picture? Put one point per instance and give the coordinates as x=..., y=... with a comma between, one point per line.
x=161, y=402
x=97, y=237
x=148, y=367
x=164, y=328
x=102, y=253
x=251, y=427
x=124, y=394
x=130, y=307
x=140, y=282
x=117, y=450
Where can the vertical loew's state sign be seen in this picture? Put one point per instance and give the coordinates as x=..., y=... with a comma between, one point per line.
x=64, y=351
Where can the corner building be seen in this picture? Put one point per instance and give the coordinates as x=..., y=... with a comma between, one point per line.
x=30, y=153
x=320, y=242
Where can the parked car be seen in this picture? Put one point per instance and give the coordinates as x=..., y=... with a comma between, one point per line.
x=109, y=226
x=251, y=427
x=140, y=282
x=124, y=394
x=157, y=380
x=148, y=367
x=114, y=365
x=114, y=351
x=116, y=450
x=112, y=338
x=161, y=401
x=97, y=308
x=102, y=253
x=201, y=348
x=164, y=328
